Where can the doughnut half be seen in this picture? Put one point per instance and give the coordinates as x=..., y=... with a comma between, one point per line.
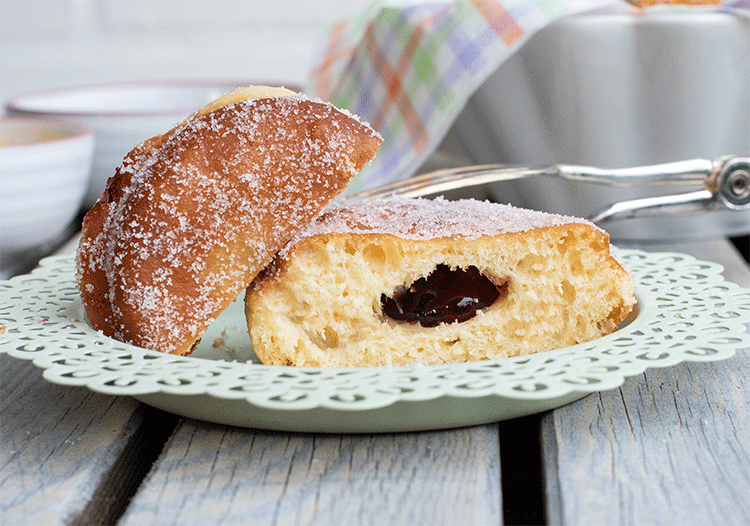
x=405, y=281
x=191, y=216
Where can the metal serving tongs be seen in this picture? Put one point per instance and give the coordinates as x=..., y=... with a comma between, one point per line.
x=725, y=181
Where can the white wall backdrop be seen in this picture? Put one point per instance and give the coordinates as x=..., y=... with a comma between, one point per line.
x=53, y=43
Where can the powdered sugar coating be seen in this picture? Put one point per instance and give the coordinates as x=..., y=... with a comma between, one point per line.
x=419, y=219
x=192, y=216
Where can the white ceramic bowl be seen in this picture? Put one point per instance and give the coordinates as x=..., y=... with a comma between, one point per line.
x=122, y=114
x=618, y=90
x=44, y=173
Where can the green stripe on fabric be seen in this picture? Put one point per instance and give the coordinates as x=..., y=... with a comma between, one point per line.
x=552, y=7
x=396, y=123
x=460, y=13
x=344, y=96
x=424, y=59
x=403, y=31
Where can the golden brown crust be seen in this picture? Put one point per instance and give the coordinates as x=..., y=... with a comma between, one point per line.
x=191, y=216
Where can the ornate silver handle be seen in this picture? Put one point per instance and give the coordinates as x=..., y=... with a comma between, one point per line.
x=725, y=181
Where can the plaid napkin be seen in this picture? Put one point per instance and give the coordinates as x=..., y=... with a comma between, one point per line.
x=409, y=67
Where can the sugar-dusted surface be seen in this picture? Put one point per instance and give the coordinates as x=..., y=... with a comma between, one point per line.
x=430, y=219
x=192, y=216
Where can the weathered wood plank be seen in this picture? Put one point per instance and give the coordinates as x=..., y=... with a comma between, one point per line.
x=68, y=455
x=212, y=474
x=671, y=446
x=57, y=444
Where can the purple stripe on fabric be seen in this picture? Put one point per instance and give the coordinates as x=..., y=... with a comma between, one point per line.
x=468, y=54
x=451, y=75
x=519, y=11
x=470, y=57
x=428, y=110
x=738, y=4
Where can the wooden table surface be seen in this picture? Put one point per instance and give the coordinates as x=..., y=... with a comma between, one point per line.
x=671, y=446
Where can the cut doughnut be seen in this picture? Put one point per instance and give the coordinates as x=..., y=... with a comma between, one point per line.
x=405, y=281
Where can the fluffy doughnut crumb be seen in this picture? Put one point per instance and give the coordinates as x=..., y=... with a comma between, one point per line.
x=320, y=302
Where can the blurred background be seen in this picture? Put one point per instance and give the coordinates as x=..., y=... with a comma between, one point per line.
x=53, y=43
x=600, y=89
x=46, y=45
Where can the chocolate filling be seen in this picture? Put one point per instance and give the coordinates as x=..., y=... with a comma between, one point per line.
x=445, y=296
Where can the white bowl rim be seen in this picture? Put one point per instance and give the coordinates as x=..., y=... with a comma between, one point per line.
x=77, y=130
x=18, y=103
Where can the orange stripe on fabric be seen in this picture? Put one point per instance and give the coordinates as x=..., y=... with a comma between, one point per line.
x=332, y=54
x=414, y=39
x=499, y=20
x=395, y=86
x=396, y=96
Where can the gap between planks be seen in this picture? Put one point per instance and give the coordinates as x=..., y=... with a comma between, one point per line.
x=121, y=482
